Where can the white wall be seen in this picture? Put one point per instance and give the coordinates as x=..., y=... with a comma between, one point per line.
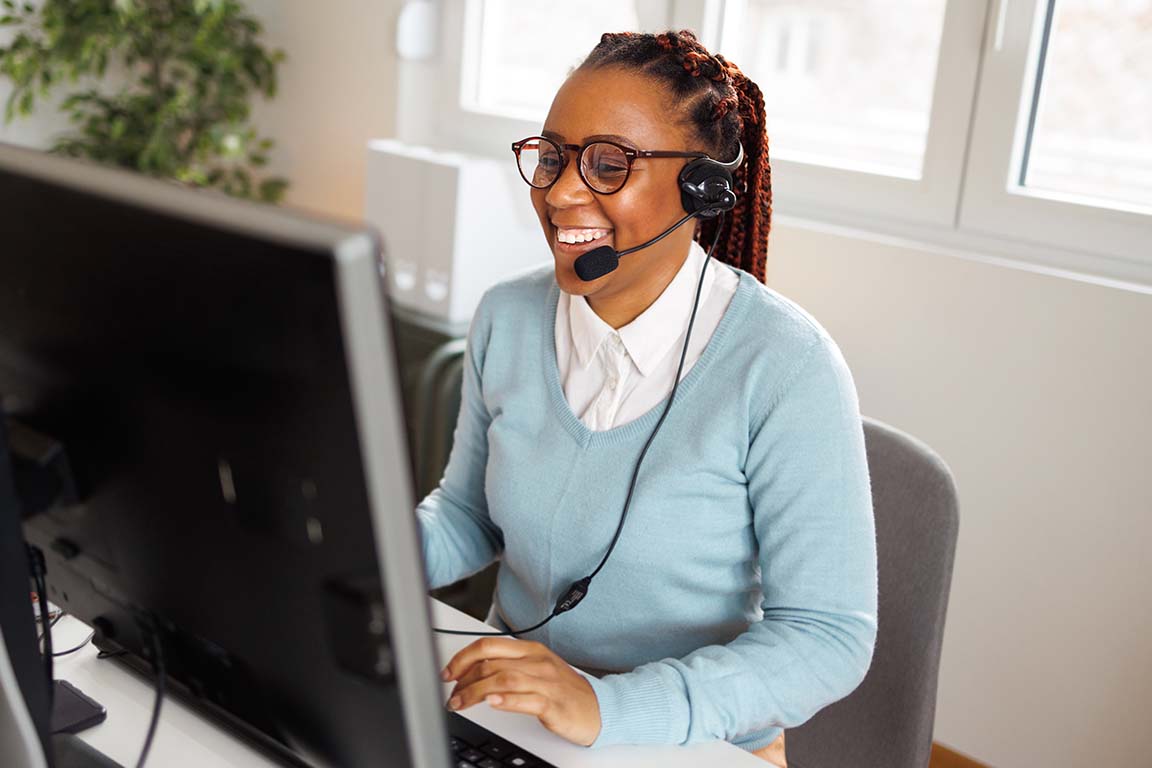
x=337, y=91
x=37, y=131
x=1037, y=390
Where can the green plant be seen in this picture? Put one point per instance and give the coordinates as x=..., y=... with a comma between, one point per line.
x=177, y=108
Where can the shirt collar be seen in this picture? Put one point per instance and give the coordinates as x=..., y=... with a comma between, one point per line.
x=588, y=330
x=651, y=335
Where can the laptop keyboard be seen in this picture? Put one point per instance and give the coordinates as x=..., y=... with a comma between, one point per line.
x=474, y=746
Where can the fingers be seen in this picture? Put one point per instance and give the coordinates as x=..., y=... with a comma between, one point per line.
x=504, y=682
x=488, y=648
x=488, y=667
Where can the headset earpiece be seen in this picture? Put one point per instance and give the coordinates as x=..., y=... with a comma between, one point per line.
x=706, y=186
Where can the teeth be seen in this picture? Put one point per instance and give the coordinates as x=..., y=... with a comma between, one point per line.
x=573, y=236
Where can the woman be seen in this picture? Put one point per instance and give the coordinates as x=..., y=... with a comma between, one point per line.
x=740, y=597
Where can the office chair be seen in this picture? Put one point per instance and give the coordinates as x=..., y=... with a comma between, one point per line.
x=887, y=721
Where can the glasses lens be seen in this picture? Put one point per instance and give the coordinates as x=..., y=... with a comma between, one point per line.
x=605, y=166
x=539, y=162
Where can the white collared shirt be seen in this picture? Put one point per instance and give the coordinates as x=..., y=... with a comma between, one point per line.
x=611, y=377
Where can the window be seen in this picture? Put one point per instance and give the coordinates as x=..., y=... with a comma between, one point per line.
x=1017, y=128
x=871, y=66
x=1091, y=124
x=1059, y=153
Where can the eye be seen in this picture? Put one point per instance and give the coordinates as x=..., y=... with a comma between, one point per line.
x=605, y=161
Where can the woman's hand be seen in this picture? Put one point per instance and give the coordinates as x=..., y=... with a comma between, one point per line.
x=525, y=677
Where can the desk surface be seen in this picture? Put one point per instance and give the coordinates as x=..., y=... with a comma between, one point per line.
x=186, y=739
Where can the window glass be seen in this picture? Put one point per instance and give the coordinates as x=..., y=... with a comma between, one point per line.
x=846, y=84
x=1091, y=128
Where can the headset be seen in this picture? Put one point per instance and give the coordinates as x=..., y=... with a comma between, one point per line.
x=706, y=185
x=706, y=192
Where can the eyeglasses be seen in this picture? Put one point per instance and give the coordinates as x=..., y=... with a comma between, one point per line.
x=603, y=165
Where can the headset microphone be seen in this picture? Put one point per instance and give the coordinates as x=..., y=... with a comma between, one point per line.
x=600, y=261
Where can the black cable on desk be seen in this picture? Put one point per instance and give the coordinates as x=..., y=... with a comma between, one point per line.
x=158, y=667
x=87, y=640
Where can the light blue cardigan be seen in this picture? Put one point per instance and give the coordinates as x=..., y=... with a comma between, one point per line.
x=741, y=597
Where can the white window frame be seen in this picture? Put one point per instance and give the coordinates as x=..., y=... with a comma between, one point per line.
x=1110, y=240
x=963, y=203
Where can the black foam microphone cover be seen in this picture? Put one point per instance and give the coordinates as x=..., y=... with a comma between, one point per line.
x=596, y=262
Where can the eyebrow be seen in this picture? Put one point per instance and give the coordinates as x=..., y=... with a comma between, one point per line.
x=597, y=137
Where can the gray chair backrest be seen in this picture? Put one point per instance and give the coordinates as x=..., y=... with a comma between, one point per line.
x=436, y=408
x=887, y=721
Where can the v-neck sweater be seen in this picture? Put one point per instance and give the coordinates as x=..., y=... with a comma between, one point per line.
x=741, y=596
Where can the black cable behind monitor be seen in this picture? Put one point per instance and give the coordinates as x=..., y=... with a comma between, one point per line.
x=161, y=676
x=36, y=561
x=35, y=557
x=579, y=588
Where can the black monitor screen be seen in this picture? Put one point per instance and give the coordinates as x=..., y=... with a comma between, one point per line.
x=189, y=356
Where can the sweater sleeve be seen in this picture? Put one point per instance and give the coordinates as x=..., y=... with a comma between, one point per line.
x=459, y=538
x=810, y=496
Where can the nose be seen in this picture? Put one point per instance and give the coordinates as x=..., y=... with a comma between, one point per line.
x=569, y=190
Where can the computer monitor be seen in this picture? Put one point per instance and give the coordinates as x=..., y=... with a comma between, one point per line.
x=218, y=377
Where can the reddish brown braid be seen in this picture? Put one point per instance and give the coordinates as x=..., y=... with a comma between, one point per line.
x=724, y=107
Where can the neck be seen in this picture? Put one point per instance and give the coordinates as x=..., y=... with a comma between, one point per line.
x=621, y=308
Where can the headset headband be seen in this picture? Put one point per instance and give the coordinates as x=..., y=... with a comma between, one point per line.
x=733, y=165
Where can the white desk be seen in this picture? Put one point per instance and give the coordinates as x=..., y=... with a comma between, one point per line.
x=185, y=739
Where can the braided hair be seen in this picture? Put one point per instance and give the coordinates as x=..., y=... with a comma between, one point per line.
x=724, y=107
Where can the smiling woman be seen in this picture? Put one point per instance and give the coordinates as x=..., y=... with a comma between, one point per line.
x=740, y=598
